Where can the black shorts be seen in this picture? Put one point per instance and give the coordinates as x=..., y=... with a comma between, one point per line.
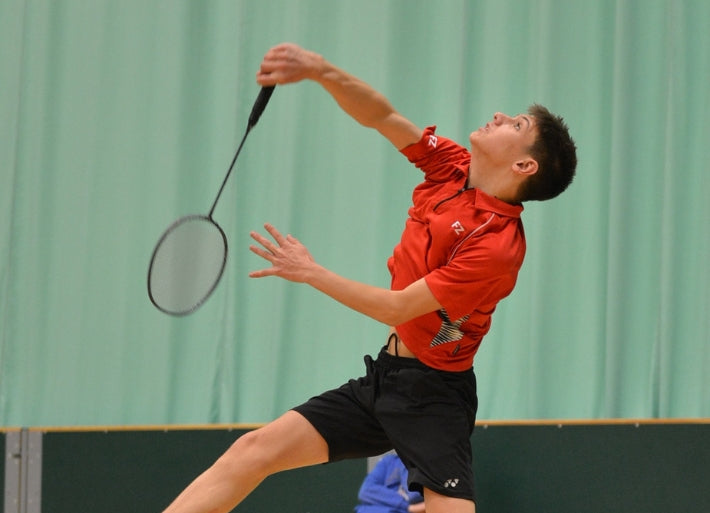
x=426, y=415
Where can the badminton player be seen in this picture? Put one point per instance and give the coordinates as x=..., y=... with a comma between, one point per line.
x=459, y=255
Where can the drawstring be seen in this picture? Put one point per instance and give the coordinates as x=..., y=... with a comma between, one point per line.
x=393, y=336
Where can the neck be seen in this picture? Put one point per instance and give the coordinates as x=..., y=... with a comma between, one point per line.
x=496, y=187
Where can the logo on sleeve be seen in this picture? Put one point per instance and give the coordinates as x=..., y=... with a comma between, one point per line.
x=432, y=141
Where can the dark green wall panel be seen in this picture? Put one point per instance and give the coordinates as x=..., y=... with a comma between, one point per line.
x=143, y=471
x=624, y=468
x=597, y=468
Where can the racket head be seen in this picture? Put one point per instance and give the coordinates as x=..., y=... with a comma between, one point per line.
x=187, y=263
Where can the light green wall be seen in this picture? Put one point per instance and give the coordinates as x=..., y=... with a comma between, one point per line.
x=118, y=117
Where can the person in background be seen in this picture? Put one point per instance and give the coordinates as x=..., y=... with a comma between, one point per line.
x=385, y=489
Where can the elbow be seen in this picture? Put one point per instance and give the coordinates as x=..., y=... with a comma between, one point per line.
x=400, y=306
x=393, y=318
x=396, y=311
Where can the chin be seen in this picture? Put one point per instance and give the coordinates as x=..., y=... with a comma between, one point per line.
x=473, y=139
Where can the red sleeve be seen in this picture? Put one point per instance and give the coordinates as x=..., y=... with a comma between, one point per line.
x=439, y=157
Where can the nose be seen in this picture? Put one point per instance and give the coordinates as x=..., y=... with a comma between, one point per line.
x=499, y=118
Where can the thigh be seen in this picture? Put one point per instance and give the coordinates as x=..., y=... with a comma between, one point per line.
x=437, y=503
x=285, y=443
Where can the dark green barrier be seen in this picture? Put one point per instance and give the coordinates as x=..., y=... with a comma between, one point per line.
x=142, y=471
x=2, y=469
x=533, y=468
x=624, y=468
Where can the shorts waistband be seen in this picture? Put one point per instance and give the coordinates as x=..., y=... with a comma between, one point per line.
x=390, y=361
x=399, y=362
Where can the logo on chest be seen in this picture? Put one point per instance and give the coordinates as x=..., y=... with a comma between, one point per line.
x=458, y=227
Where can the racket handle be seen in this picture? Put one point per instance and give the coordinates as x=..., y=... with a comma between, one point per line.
x=260, y=105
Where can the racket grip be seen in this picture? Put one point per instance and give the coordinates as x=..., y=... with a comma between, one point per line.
x=260, y=104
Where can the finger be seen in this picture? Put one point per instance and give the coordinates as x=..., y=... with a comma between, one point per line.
x=265, y=79
x=261, y=273
x=263, y=254
x=281, y=47
x=273, y=60
x=280, y=239
x=276, y=49
x=263, y=241
x=267, y=75
x=268, y=66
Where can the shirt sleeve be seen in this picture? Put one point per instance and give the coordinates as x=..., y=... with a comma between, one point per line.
x=440, y=158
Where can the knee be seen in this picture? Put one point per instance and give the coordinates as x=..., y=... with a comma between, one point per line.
x=249, y=451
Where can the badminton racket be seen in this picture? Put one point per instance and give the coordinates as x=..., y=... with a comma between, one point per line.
x=189, y=259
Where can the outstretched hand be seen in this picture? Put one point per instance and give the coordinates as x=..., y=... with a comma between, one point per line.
x=289, y=258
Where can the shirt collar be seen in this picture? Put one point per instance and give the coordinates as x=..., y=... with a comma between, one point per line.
x=493, y=204
x=487, y=202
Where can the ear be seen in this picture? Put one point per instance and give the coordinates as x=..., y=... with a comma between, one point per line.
x=527, y=166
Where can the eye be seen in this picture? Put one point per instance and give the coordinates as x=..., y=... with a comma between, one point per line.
x=517, y=125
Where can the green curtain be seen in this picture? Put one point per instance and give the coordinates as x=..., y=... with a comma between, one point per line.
x=118, y=117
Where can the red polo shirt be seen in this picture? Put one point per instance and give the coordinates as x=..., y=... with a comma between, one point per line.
x=468, y=246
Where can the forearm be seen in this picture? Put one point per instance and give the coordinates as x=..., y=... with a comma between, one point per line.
x=287, y=63
x=378, y=303
x=367, y=106
x=391, y=307
x=357, y=98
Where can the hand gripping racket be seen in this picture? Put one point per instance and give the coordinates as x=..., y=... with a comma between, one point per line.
x=190, y=256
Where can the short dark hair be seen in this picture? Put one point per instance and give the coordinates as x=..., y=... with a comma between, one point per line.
x=556, y=156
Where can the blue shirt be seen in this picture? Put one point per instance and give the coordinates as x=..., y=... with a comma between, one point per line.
x=385, y=489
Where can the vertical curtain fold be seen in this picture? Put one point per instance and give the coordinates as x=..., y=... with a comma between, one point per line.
x=116, y=118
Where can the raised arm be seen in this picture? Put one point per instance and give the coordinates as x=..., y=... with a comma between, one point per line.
x=287, y=63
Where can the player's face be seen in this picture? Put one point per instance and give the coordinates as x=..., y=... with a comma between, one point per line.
x=504, y=138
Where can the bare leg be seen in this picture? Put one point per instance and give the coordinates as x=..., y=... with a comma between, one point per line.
x=286, y=443
x=437, y=503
